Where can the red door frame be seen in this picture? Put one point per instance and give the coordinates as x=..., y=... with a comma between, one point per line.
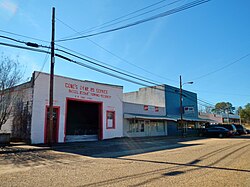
x=100, y=108
x=57, y=123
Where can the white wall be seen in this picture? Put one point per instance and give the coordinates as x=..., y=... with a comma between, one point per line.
x=111, y=97
x=154, y=95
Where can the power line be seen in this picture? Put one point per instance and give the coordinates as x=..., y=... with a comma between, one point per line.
x=108, y=24
x=108, y=68
x=23, y=36
x=26, y=48
x=79, y=63
x=87, y=60
x=166, y=13
x=224, y=93
x=30, y=44
x=95, y=69
x=227, y=65
x=113, y=54
x=99, y=70
x=44, y=62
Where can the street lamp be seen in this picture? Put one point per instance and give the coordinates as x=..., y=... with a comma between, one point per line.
x=181, y=108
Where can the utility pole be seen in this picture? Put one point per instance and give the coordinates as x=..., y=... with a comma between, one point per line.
x=181, y=111
x=183, y=129
x=50, y=133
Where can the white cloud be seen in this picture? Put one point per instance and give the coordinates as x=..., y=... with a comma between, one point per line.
x=8, y=8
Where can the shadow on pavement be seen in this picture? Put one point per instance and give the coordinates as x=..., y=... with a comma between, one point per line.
x=124, y=146
x=29, y=159
x=241, y=137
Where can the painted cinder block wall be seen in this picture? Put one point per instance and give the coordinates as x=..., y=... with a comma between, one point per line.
x=154, y=96
x=68, y=88
x=164, y=96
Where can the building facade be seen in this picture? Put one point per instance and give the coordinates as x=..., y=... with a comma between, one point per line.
x=220, y=118
x=144, y=120
x=83, y=110
x=169, y=97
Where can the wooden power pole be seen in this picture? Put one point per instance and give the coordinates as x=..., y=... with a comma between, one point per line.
x=50, y=133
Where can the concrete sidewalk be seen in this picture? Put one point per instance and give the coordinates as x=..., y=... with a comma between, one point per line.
x=100, y=147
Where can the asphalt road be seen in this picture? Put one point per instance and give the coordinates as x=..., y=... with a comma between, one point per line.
x=139, y=162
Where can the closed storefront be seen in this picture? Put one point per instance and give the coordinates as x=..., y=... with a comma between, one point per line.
x=144, y=120
x=83, y=110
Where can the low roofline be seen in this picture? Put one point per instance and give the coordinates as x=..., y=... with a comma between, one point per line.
x=113, y=85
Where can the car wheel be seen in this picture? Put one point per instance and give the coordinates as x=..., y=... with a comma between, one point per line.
x=220, y=135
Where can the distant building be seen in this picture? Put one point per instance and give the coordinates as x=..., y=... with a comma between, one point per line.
x=220, y=118
x=168, y=97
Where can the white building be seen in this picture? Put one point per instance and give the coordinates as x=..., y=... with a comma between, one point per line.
x=144, y=120
x=220, y=118
x=82, y=110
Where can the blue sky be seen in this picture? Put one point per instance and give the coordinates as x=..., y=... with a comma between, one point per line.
x=202, y=44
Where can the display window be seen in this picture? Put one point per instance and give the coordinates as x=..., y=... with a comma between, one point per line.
x=110, y=121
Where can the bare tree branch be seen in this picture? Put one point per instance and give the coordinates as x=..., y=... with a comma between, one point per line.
x=10, y=76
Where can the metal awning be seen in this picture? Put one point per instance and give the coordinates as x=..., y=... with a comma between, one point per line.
x=141, y=116
x=188, y=119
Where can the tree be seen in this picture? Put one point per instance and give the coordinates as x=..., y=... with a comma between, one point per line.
x=10, y=76
x=21, y=120
x=223, y=107
x=245, y=113
x=238, y=110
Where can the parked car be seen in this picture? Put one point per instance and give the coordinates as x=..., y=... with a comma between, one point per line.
x=248, y=131
x=241, y=129
x=217, y=131
x=230, y=127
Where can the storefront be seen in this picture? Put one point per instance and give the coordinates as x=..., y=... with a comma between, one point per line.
x=83, y=110
x=144, y=120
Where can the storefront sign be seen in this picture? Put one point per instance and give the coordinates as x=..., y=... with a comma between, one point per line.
x=82, y=90
x=188, y=110
x=151, y=108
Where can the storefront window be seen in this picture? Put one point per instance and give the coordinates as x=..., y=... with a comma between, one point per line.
x=136, y=126
x=141, y=126
x=160, y=126
x=110, y=123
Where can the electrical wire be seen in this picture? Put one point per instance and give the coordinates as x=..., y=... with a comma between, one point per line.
x=7, y=32
x=47, y=52
x=44, y=62
x=15, y=40
x=108, y=24
x=226, y=66
x=31, y=44
x=166, y=13
x=222, y=93
x=26, y=48
x=108, y=68
x=113, y=54
x=87, y=60
x=99, y=70
x=192, y=98
x=79, y=63
x=96, y=69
